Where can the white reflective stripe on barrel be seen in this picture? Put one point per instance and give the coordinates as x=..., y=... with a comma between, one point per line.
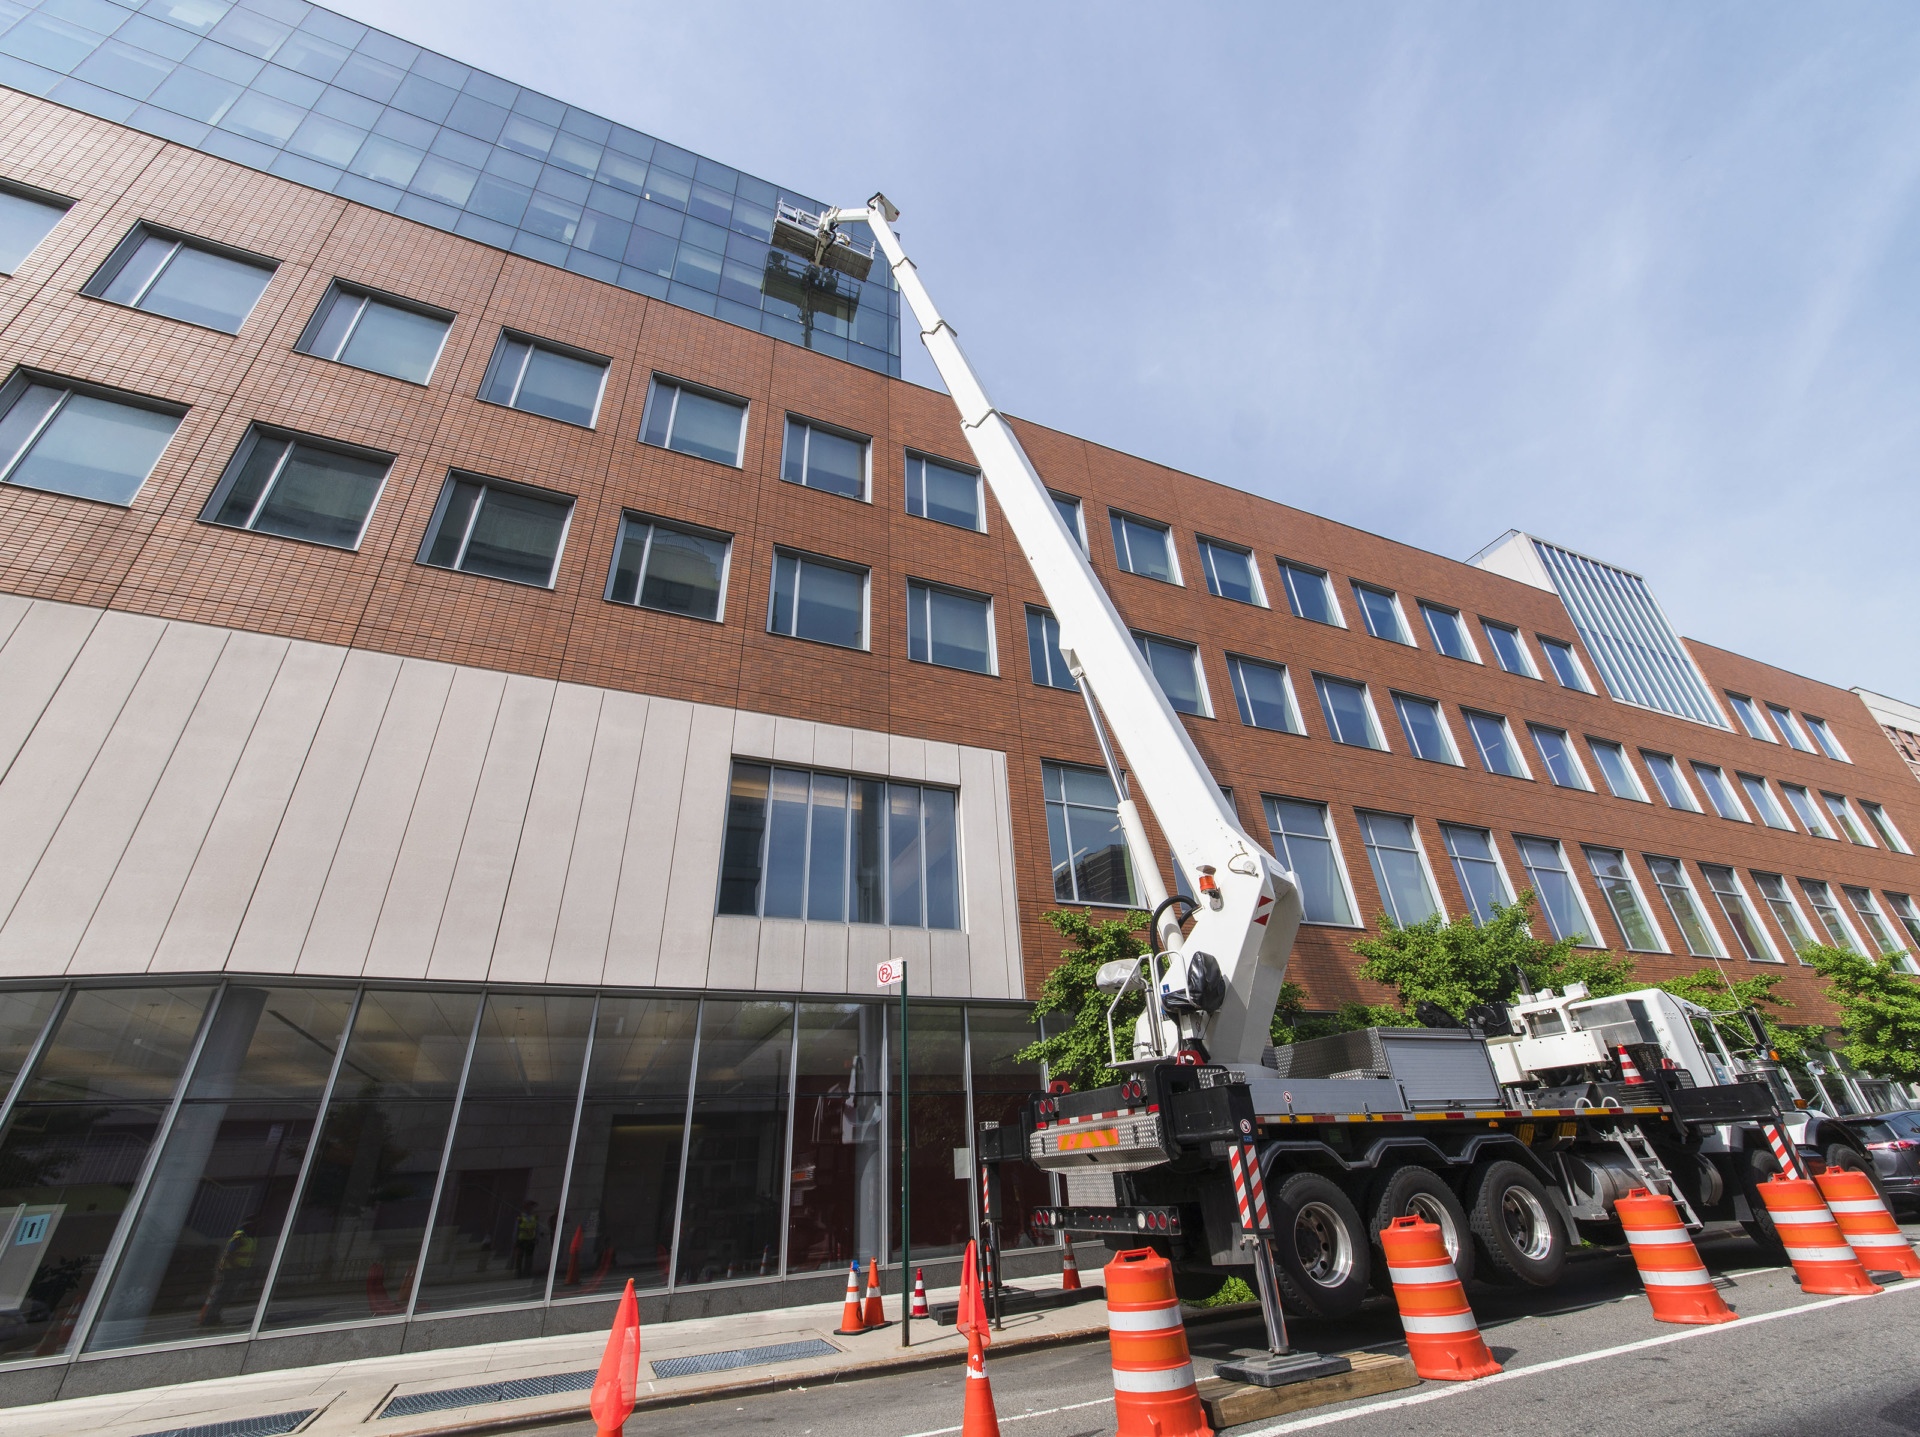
x=1422, y=1276
x=1450, y=1322
x=1857, y=1205
x=1167, y=1379
x=1695, y=1278
x=1876, y=1239
x=1799, y=1217
x=1154, y=1319
x=1820, y=1254
x=1658, y=1237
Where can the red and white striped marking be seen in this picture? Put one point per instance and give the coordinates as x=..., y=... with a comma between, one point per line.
x=1629, y=1071
x=1262, y=911
x=1782, y=1151
x=1249, y=1188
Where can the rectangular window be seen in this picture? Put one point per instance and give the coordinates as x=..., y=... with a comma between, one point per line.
x=375, y=331
x=1048, y=664
x=818, y=599
x=1380, y=611
x=1872, y=919
x=1495, y=744
x=1804, y=810
x=950, y=627
x=1748, y=713
x=544, y=378
x=1509, y=649
x=1720, y=793
x=1551, y=883
x=1309, y=594
x=1425, y=729
x=1724, y=884
x=1230, y=572
x=1556, y=752
x=674, y=568
x=1823, y=735
x=1264, y=695
x=298, y=488
x=1303, y=841
x=1393, y=848
x=1478, y=868
x=1068, y=508
x=1883, y=824
x=1908, y=912
x=1611, y=871
x=838, y=848
x=1789, y=729
x=1145, y=548
x=1348, y=714
x=1565, y=665
x=831, y=459
x=1669, y=780
x=1670, y=877
x=1177, y=667
x=1448, y=633
x=1842, y=812
x=189, y=280
x=695, y=421
x=501, y=530
x=1617, y=769
x=1088, y=848
x=944, y=493
x=26, y=218
x=1827, y=913
x=1761, y=797
x=85, y=442
x=1779, y=900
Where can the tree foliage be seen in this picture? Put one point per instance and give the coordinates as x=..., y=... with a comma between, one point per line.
x=1076, y=1046
x=1879, y=1010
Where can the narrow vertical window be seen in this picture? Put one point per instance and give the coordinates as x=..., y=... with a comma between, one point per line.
x=1842, y=812
x=1610, y=871
x=1803, y=809
x=1748, y=713
x=1448, y=633
x=1068, y=508
x=1551, y=883
x=1761, y=797
x=1309, y=594
x=1789, y=728
x=1348, y=714
x=1556, y=752
x=1263, y=694
x=1884, y=826
x=1381, y=613
x=1724, y=884
x=1303, y=840
x=1230, y=572
x=26, y=218
x=1478, y=870
x=1393, y=849
x=1425, y=729
x=1565, y=665
x=1713, y=781
x=1823, y=735
x=1908, y=912
x=1044, y=659
x=1779, y=900
x=1508, y=649
x=1617, y=769
x=1667, y=778
x=1494, y=742
x=1084, y=838
x=1872, y=919
x=1670, y=877
x=1827, y=913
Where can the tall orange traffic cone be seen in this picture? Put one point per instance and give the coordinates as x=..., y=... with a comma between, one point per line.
x=1678, y=1285
x=852, y=1324
x=1069, y=1269
x=971, y=1315
x=1154, y=1390
x=876, y=1313
x=1869, y=1228
x=919, y=1293
x=1821, y=1258
x=618, y=1381
x=1442, y=1338
x=980, y=1419
x=1629, y=1072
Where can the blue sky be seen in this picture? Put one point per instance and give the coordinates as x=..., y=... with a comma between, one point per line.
x=1641, y=279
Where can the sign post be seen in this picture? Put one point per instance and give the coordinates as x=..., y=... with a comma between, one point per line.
x=894, y=970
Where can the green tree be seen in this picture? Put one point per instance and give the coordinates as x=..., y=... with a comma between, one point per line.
x=1078, y=1051
x=1726, y=997
x=1293, y=1024
x=1879, y=1010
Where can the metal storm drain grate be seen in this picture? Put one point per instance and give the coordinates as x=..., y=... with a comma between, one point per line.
x=273, y=1426
x=415, y=1403
x=741, y=1357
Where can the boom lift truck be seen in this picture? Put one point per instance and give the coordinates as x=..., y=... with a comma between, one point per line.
x=1513, y=1127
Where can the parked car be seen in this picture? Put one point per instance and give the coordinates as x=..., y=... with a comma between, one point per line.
x=1894, y=1141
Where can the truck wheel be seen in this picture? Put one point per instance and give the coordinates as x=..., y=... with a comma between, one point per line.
x=1418, y=1192
x=1516, y=1231
x=1324, y=1258
x=1758, y=1167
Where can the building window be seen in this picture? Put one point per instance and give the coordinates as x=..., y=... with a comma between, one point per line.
x=949, y=627
x=695, y=421
x=1393, y=848
x=1842, y=812
x=1720, y=793
x=1908, y=913
x=1883, y=824
x=1617, y=769
x=1804, y=810
x=1303, y=841
x=1448, y=633
x=298, y=488
x=1049, y=665
x=26, y=218
x=1871, y=919
x=1565, y=664
x=1551, y=883
x=1348, y=714
x=1144, y=548
x=1495, y=744
x=1748, y=713
x=1820, y=900
x=674, y=568
x=1724, y=884
x=1425, y=729
x=1761, y=797
x=1478, y=868
x=831, y=460
x=1084, y=838
x=1380, y=612
x=1264, y=695
x=1309, y=594
x=1177, y=667
x=374, y=331
x=544, y=378
x=834, y=848
x=84, y=442
x=944, y=493
x=501, y=530
x=1509, y=649
x=1670, y=877
x=1789, y=729
x=1823, y=735
x=189, y=280
x=1779, y=900
x=1611, y=871
x=1068, y=508
x=818, y=599
x=1556, y=752
x=1668, y=779
x=1230, y=572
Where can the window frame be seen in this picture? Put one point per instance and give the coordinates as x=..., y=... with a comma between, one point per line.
x=655, y=380
x=1751, y=718
x=1354, y=922
x=1787, y=897
x=236, y=465
x=1375, y=731
x=1428, y=608
x=1582, y=783
x=1892, y=839
x=1639, y=794
x=489, y=481
x=33, y=194
x=1244, y=705
x=1685, y=885
x=836, y=431
x=1549, y=647
x=1870, y=916
x=1807, y=885
x=1592, y=930
x=1206, y=545
x=1824, y=738
x=1771, y=809
x=1454, y=861
x=1452, y=755
x=929, y=587
x=1046, y=616
x=1692, y=804
x=1907, y=914
x=1739, y=890
x=1701, y=770
x=1420, y=851
x=1639, y=892
x=1079, y=526
x=1806, y=811
x=1790, y=730
x=1467, y=716
x=1841, y=807
x=122, y=253
x=654, y=522
x=23, y=378
x=509, y=335
x=1117, y=519
x=1133, y=879
x=1289, y=567
x=369, y=295
x=1143, y=637
x=807, y=556
x=1527, y=670
x=1402, y=635
x=906, y=493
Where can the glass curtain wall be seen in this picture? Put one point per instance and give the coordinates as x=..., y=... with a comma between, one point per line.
x=1002, y=1083
x=836, y=1207
x=942, y=1190
x=735, y=1186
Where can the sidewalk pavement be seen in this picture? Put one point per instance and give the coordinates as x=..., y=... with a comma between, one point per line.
x=349, y=1397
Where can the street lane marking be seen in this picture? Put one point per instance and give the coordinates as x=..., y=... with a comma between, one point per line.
x=1020, y=1417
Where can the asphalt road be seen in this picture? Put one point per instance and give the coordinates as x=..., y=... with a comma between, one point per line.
x=1590, y=1361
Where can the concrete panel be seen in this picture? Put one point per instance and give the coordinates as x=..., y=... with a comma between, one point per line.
x=869, y=752
x=981, y=883
x=792, y=740
x=868, y=946
x=275, y=928
x=832, y=746
x=356, y=883
x=943, y=763
x=906, y=758
x=639, y=910
x=13, y=609
x=696, y=847
x=1009, y=879
x=911, y=944
x=41, y=646
x=215, y=896
x=953, y=973
x=599, y=842
x=783, y=947
x=46, y=924
x=524, y=945
x=824, y=969
x=410, y=912
x=733, y=955
x=54, y=761
x=146, y=885
x=753, y=734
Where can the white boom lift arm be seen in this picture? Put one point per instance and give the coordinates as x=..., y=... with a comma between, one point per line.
x=1217, y=986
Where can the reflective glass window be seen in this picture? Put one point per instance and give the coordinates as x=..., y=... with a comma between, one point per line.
x=1002, y=1084
x=544, y=379
x=1565, y=665
x=298, y=488
x=1617, y=769
x=818, y=599
x=1398, y=870
x=1494, y=743
x=1508, y=649
x=1263, y=694
x=1748, y=713
x=1381, y=611
x=937, y=1056
x=694, y=421
x=1448, y=633
x=1724, y=884
x=1804, y=810
x=1783, y=719
x=1309, y=595
x=1864, y=907
x=1827, y=913
x=823, y=458
x=1302, y=835
x=1615, y=878
x=1669, y=780
x=25, y=220
x=501, y=530
x=1823, y=735
x=1556, y=752
x=1068, y=508
x=733, y=1217
x=944, y=493
x=1084, y=839
x=1551, y=883
x=1230, y=572
x=1713, y=781
x=165, y=274
x=1349, y=717
x=670, y=567
x=81, y=442
x=1884, y=826
x=369, y=331
x=1477, y=868
x=949, y=627
x=1842, y=812
x=1779, y=900
x=1670, y=877
x=1763, y=802
x=837, y=1208
x=23, y=1016
x=1144, y=547
x=1177, y=667
x=1044, y=659
x=1908, y=912
x=1425, y=729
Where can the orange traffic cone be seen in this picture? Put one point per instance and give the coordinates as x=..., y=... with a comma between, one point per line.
x=1869, y=1228
x=852, y=1324
x=876, y=1314
x=1820, y=1256
x=971, y=1315
x=919, y=1293
x=1442, y=1338
x=1069, y=1269
x=980, y=1419
x=1154, y=1390
x=1677, y=1282
x=1629, y=1072
x=618, y=1382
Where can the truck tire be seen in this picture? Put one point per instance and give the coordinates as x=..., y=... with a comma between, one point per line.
x=1413, y=1191
x=1323, y=1257
x=1517, y=1233
x=1758, y=1167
